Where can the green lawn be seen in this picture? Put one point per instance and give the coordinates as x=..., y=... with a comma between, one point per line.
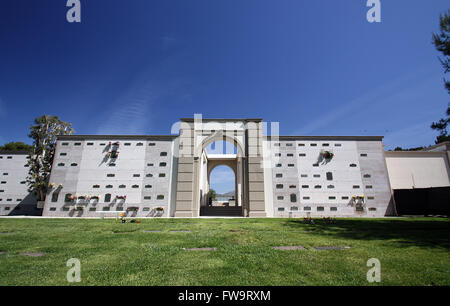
x=411, y=251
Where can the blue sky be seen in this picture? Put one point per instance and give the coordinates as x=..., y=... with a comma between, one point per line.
x=136, y=67
x=222, y=179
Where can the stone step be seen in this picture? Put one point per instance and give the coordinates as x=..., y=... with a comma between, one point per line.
x=221, y=211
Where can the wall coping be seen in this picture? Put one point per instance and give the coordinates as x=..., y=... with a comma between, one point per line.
x=414, y=153
x=14, y=153
x=359, y=138
x=117, y=137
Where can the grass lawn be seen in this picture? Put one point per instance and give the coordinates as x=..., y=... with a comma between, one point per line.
x=411, y=251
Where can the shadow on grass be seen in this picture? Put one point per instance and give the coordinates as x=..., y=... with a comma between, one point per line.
x=405, y=233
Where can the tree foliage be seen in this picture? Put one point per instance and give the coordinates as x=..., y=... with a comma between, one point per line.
x=44, y=133
x=442, y=43
x=212, y=194
x=16, y=146
x=410, y=149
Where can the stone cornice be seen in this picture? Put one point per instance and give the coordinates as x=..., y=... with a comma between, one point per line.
x=117, y=137
x=328, y=138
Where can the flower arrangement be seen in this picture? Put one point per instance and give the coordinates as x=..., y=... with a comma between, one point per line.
x=159, y=208
x=358, y=197
x=113, y=154
x=327, y=154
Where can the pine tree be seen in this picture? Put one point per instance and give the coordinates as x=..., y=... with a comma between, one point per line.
x=442, y=43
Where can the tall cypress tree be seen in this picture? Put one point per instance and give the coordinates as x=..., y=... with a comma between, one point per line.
x=442, y=43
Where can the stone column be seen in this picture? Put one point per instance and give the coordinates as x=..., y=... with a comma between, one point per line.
x=255, y=170
x=185, y=178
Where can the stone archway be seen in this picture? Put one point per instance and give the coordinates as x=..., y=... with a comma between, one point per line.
x=195, y=135
x=213, y=164
x=228, y=207
x=208, y=162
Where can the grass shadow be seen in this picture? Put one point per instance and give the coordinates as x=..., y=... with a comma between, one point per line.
x=424, y=233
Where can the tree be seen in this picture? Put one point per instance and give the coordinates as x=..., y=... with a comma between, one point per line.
x=44, y=133
x=411, y=149
x=442, y=43
x=212, y=195
x=16, y=146
x=441, y=126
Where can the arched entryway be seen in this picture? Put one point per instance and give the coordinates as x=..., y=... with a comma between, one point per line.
x=222, y=181
x=219, y=152
x=195, y=134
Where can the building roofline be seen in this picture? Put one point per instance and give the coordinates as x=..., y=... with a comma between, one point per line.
x=171, y=137
x=14, y=152
x=117, y=137
x=360, y=138
x=414, y=153
x=445, y=143
x=224, y=119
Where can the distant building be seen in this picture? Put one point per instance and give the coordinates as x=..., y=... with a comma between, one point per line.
x=419, y=169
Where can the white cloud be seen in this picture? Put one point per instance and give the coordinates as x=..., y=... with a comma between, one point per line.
x=415, y=135
x=2, y=108
x=130, y=114
x=382, y=97
x=129, y=119
x=168, y=42
x=2, y=113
